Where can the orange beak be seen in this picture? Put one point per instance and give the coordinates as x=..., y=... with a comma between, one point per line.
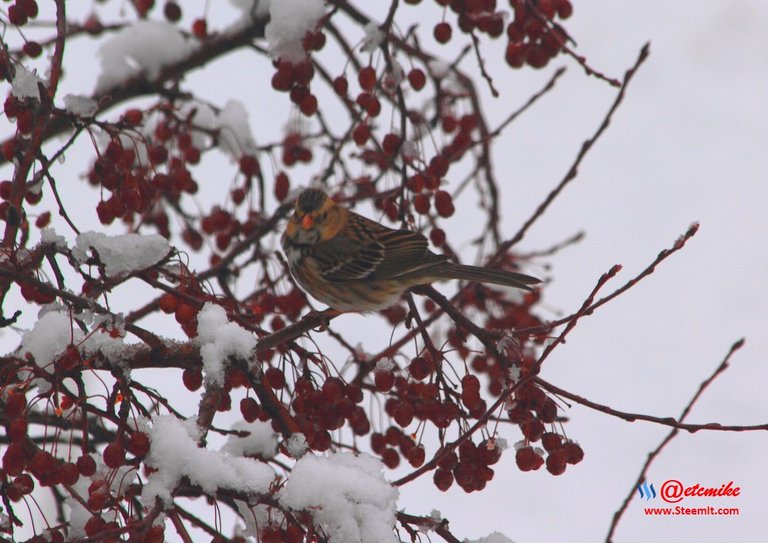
x=307, y=222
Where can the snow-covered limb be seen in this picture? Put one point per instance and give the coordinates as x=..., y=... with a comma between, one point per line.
x=175, y=453
x=122, y=254
x=346, y=494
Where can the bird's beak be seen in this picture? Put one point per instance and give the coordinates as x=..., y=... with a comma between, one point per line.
x=307, y=222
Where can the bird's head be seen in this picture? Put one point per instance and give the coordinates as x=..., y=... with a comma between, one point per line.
x=315, y=217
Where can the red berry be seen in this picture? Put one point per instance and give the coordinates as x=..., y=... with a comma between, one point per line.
x=390, y=458
x=574, y=453
x=383, y=380
x=29, y=7
x=303, y=72
x=532, y=429
x=564, y=9
x=185, y=313
x=133, y=116
x=443, y=479
x=249, y=166
x=9, y=149
x=444, y=203
x=168, y=303
x=391, y=144
x=538, y=57
x=403, y=413
x=14, y=459
x=16, y=15
x=416, y=456
x=275, y=378
x=6, y=187
x=249, y=408
x=360, y=134
x=68, y=473
x=437, y=236
x=308, y=105
x=547, y=8
x=32, y=49
x=417, y=79
x=42, y=463
x=438, y=166
x=527, y=459
x=420, y=368
x=138, y=444
x=24, y=483
x=172, y=11
x=443, y=32
x=367, y=78
x=421, y=203
x=556, y=462
x=416, y=182
x=95, y=525
x=340, y=85
x=200, y=28
x=114, y=455
x=551, y=441
x=86, y=465
x=378, y=442
x=282, y=186
x=192, y=378
x=143, y=6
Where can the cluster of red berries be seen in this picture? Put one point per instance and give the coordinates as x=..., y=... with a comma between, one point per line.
x=533, y=38
x=560, y=453
x=393, y=443
x=320, y=411
x=470, y=468
x=24, y=110
x=295, y=150
x=24, y=464
x=473, y=16
x=425, y=185
x=22, y=11
x=33, y=294
x=461, y=129
x=185, y=309
x=266, y=303
x=533, y=409
x=295, y=78
x=132, y=191
x=413, y=399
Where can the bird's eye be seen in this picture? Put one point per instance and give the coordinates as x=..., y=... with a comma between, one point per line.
x=321, y=217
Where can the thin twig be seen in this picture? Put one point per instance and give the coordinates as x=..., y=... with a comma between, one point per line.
x=655, y=453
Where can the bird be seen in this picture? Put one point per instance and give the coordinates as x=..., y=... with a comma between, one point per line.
x=355, y=264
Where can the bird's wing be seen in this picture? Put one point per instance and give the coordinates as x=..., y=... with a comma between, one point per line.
x=368, y=250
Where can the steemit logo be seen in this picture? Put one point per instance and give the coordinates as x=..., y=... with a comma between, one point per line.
x=646, y=491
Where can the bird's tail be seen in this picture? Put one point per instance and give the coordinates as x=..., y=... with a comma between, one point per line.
x=487, y=275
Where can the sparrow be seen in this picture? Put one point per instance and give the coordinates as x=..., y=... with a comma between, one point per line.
x=354, y=264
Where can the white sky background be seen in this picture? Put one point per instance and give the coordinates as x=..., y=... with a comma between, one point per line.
x=688, y=144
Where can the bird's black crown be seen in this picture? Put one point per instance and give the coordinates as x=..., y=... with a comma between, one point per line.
x=310, y=200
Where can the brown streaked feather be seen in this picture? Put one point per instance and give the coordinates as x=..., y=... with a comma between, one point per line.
x=365, y=249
